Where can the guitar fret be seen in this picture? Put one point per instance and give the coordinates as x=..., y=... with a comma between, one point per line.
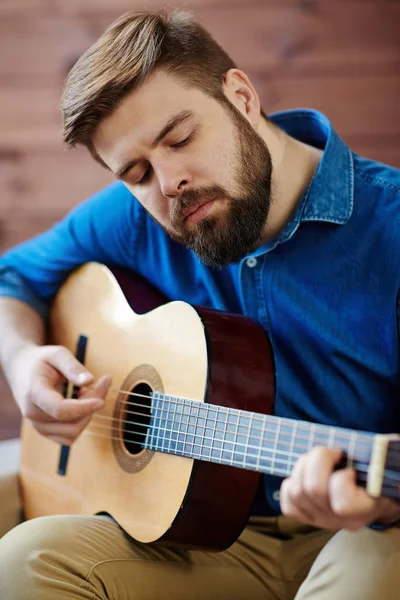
x=166, y=421
x=292, y=457
x=159, y=432
x=224, y=440
x=273, y=461
x=213, y=417
x=350, y=453
x=220, y=441
x=312, y=436
x=155, y=436
x=205, y=450
x=179, y=425
x=331, y=438
x=197, y=433
x=150, y=432
x=261, y=445
x=202, y=416
x=246, y=451
x=185, y=420
x=172, y=423
x=195, y=410
x=192, y=428
x=213, y=435
x=235, y=437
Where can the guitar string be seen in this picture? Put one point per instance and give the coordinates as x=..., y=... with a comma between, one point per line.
x=362, y=473
x=267, y=438
x=225, y=411
x=364, y=437
x=226, y=450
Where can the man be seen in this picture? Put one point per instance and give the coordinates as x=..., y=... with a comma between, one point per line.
x=292, y=229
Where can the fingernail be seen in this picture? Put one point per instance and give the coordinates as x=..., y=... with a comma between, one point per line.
x=84, y=377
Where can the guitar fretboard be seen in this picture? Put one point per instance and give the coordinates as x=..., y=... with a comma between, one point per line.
x=246, y=440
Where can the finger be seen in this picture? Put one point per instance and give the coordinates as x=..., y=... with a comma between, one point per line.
x=83, y=391
x=69, y=366
x=295, y=501
x=99, y=390
x=63, y=433
x=289, y=503
x=316, y=475
x=61, y=409
x=348, y=500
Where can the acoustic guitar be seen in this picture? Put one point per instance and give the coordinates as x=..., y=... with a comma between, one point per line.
x=176, y=455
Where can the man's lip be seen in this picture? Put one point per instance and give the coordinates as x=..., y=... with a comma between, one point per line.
x=191, y=209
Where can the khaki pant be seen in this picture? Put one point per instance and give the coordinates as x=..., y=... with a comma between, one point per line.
x=76, y=558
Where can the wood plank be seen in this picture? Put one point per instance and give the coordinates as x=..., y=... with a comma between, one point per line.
x=118, y=7
x=287, y=38
x=42, y=186
x=47, y=47
x=385, y=149
x=354, y=105
x=22, y=7
x=29, y=116
x=84, y=7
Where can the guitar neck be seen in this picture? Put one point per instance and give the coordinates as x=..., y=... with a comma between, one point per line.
x=258, y=442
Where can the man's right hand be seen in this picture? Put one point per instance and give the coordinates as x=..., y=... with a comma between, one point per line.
x=36, y=377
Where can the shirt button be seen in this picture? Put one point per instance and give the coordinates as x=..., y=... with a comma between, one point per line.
x=276, y=495
x=251, y=262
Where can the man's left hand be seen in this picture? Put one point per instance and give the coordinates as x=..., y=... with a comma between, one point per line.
x=318, y=495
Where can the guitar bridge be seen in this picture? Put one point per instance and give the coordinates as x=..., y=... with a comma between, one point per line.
x=71, y=391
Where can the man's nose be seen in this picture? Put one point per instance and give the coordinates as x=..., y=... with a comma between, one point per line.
x=173, y=180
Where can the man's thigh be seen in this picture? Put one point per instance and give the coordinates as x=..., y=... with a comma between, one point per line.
x=356, y=566
x=76, y=557
x=72, y=556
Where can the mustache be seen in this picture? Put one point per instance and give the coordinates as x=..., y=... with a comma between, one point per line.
x=192, y=197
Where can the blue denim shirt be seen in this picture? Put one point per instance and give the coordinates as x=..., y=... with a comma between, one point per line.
x=326, y=290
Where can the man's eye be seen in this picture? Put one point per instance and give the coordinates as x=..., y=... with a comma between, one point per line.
x=145, y=177
x=183, y=142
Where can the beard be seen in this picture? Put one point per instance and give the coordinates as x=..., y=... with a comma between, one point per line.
x=227, y=237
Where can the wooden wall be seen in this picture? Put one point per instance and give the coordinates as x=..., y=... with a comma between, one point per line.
x=338, y=56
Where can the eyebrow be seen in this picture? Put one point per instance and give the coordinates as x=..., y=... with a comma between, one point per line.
x=178, y=119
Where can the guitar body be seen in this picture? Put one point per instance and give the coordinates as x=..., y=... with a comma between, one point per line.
x=173, y=348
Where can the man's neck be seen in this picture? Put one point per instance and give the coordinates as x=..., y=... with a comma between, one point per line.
x=293, y=166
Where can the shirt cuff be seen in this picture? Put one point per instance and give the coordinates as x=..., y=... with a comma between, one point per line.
x=384, y=526
x=13, y=285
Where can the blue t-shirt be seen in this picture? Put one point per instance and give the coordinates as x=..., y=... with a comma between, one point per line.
x=326, y=290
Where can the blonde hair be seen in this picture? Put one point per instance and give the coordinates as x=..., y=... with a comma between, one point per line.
x=127, y=53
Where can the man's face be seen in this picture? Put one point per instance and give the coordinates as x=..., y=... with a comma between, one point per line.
x=197, y=166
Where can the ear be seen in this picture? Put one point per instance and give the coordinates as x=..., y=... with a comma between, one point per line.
x=241, y=93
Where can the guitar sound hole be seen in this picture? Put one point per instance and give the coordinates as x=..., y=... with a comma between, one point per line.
x=137, y=418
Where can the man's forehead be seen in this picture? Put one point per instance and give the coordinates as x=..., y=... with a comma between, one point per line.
x=144, y=111
x=159, y=96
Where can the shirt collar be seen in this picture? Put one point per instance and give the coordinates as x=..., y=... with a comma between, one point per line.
x=330, y=195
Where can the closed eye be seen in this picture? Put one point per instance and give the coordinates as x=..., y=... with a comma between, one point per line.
x=183, y=142
x=145, y=177
x=180, y=144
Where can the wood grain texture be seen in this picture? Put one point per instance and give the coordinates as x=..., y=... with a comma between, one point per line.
x=341, y=57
